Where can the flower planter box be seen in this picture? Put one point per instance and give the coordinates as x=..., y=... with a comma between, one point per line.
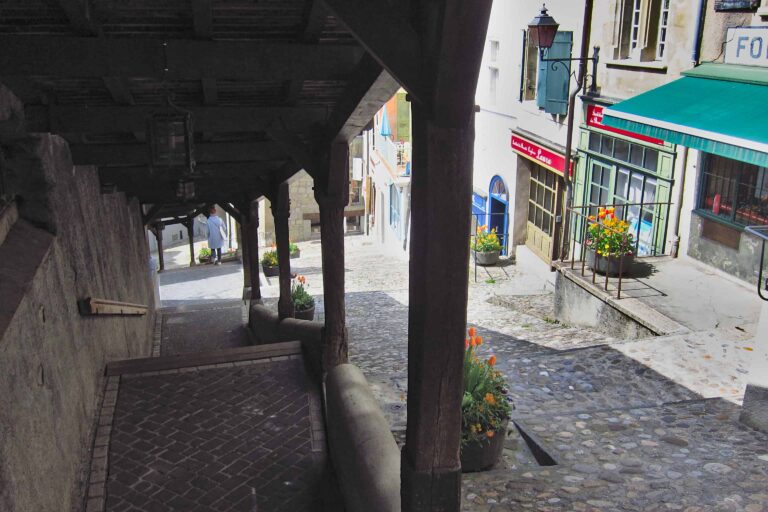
x=305, y=314
x=204, y=259
x=271, y=271
x=610, y=265
x=483, y=455
x=487, y=259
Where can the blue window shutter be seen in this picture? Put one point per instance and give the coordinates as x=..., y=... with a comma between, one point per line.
x=554, y=78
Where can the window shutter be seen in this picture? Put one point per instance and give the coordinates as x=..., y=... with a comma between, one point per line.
x=554, y=78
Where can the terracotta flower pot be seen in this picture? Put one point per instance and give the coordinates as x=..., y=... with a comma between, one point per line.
x=483, y=455
x=271, y=271
x=305, y=314
x=487, y=258
x=609, y=264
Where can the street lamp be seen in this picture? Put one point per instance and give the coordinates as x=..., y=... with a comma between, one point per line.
x=542, y=31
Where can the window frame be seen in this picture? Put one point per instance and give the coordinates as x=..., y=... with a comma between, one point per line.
x=641, y=30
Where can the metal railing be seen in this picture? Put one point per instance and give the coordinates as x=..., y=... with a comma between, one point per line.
x=648, y=238
x=760, y=232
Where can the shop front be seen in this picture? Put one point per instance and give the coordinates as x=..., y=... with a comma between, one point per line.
x=720, y=111
x=545, y=192
x=627, y=170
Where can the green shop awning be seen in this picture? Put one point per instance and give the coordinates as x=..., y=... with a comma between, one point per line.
x=717, y=108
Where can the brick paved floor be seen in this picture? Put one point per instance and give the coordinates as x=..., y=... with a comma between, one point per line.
x=205, y=434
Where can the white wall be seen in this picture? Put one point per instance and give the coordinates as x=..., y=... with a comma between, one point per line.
x=758, y=373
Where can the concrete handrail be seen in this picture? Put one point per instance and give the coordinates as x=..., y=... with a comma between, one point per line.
x=365, y=456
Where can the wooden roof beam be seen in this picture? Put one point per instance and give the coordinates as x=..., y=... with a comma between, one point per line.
x=206, y=152
x=389, y=37
x=86, y=57
x=79, y=15
x=82, y=119
x=203, y=171
x=202, y=17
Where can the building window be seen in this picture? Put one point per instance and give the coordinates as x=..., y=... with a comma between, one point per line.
x=541, y=201
x=493, y=84
x=734, y=191
x=355, y=189
x=529, y=71
x=641, y=30
x=494, y=51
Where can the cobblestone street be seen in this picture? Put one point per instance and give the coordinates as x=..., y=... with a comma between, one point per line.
x=622, y=435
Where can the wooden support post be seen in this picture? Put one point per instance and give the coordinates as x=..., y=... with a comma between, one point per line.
x=281, y=211
x=441, y=190
x=241, y=226
x=252, y=235
x=332, y=196
x=158, y=231
x=190, y=224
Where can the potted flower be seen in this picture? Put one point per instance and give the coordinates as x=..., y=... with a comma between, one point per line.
x=204, y=256
x=486, y=246
x=485, y=409
x=303, y=302
x=269, y=263
x=609, y=243
x=294, y=250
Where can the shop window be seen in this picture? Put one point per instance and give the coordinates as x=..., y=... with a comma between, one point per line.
x=734, y=191
x=355, y=192
x=624, y=151
x=541, y=202
x=641, y=31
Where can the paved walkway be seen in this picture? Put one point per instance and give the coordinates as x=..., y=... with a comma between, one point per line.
x=212, y=425
x=624, y=421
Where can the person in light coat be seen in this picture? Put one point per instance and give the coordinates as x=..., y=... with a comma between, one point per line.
x=217, y=234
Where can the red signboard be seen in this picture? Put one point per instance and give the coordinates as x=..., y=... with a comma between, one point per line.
x=595, y=120
x=549, y=159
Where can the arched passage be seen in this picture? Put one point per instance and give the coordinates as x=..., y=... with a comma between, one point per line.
x=498, y=211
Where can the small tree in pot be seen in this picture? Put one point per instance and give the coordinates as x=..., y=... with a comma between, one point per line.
x=609, y=243
x=486, y=246
x=303, y=302
x=485, y=409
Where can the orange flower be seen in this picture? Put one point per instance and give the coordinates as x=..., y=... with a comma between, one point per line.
x=492, y=360
x=489, y=433
x=592, y=218
x=466, y=343
x=610, y=210
x=601, y=214
x=302, y=279
x=472, y=332
x=478, y=340
x=490, y=399
x=473, y=341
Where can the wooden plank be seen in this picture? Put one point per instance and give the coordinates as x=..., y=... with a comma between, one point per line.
x=94, y=120
x=389, y=37
x=210, y=91
x=207, y=152
x=232, y=355
x=211, y=171
x=292, y=145
x=81, y=57
x=202, y=17
x=92, y=306
x=152, y=213
x=314, y=21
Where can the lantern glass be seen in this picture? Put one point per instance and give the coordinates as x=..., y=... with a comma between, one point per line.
x=171, y=141
x=185, y=190
x=542, y=30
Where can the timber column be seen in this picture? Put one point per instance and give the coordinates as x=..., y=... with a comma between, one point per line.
x=252, y=237
x=332, y=196
x=158, y=231
x=281, y=210
x=189, y=224
x=441, y=190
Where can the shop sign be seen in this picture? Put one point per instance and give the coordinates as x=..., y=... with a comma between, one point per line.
x=595, y=120
x=747, y=46
x=555, y=162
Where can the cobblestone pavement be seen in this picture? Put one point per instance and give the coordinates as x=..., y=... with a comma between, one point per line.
x=624, y=430
x=209, y=327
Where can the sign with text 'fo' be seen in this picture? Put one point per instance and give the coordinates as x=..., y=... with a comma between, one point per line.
x=747, y=46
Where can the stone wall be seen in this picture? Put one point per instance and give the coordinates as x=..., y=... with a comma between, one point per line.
x=69, y=242
x=742, y=263
x=303, y=202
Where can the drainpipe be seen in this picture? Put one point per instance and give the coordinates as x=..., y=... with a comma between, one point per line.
x=698, y=33
x=675, y=242
x=586, y=32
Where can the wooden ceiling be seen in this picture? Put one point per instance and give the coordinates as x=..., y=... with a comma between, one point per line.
x=268, y=82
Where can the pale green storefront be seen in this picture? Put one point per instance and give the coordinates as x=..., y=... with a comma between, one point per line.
x=617, y=169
